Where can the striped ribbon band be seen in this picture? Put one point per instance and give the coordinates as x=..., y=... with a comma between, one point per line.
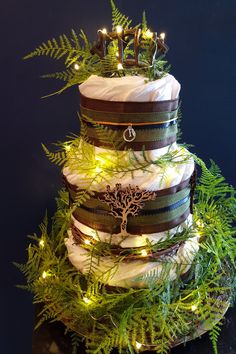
x=137, y=229
x=127, y=118
x=139, y=223
x=147, y=136
x=149, y=121
x=142, y=211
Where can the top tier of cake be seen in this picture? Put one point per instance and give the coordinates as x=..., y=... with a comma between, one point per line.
x=140, y=115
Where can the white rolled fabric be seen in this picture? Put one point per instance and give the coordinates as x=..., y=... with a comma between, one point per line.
x=154, y=179
x=130, y=88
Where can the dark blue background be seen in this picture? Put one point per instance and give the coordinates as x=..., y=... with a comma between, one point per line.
x=202, y=38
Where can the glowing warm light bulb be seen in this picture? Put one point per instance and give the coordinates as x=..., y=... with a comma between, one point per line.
x=44, y=275
x=120, y=66
x=117, y=54
x=162, y=36
x=41, y=243
x=148, y=34
x=98, y=169
x=138, y=345
x=104, y=31
x=87, y=242
x=67, y=147
x=76, y=66
x=193, y=308
x=86, y=300
x=144, y=253
x=119, y=29
x=100, y=160
x=199, y=223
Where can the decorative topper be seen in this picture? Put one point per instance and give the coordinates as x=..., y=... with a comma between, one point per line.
x=126, y=201
x=126, y=36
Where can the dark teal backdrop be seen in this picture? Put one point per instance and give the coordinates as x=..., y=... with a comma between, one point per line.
x=202, y=38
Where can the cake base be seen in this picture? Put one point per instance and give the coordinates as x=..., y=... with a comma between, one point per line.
x=52, y=335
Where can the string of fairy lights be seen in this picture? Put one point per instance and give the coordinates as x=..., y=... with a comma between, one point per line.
x=99, y=165
x=147, y=34
x=88, y=301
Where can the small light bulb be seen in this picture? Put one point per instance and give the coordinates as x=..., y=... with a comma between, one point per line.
x=138, y=345
x=144, y=253
x=86, y=300
x=98, y=169
x=87, y=242
x=193, y=308
x=119, y=29
x=104, y=31
x=200, y=223
x=120, y=66
x=117, y=54
x=76, y=66
x=44, y=275
x=41, y=243
x=67, y=147
x=148, y=34
x=162, y=36
x=100, y=160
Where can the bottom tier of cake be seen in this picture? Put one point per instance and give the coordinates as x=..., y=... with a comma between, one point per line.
x=134, y=271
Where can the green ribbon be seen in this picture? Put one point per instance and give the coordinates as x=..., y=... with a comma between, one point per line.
x=158, y=203
x=111, y=223
x=115, y=117
x=142, y=135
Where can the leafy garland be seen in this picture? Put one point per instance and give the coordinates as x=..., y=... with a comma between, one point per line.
x=76, y=49
x=120, y=318
x=95, y=168
x=167, y=312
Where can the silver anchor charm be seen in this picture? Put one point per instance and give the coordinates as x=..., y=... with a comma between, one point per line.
x=129, y=134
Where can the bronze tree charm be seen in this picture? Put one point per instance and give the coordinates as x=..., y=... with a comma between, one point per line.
x=126, y=201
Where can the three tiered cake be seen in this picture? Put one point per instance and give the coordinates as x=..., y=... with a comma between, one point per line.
x=156, y=203
x=138, y=256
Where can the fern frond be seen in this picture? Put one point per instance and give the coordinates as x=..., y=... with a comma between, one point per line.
x=118, y=19
x=144, y=22
x=59, y=158
x=83, y=196
x=66, y=75
x=214, y=335
x=75, y=341
x=66, y=47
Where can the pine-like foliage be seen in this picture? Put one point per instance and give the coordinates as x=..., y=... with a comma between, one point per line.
x=118, y=19
x=214, y=335
x=64, y=47
x=164, y=312
x=76, y=49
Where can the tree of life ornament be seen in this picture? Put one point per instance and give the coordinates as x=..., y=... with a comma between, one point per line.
x=126, y=201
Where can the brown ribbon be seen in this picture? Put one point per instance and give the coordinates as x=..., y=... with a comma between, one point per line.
x=79, y=237
x=128, y=107
x=158, y=193
x=136, y=146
